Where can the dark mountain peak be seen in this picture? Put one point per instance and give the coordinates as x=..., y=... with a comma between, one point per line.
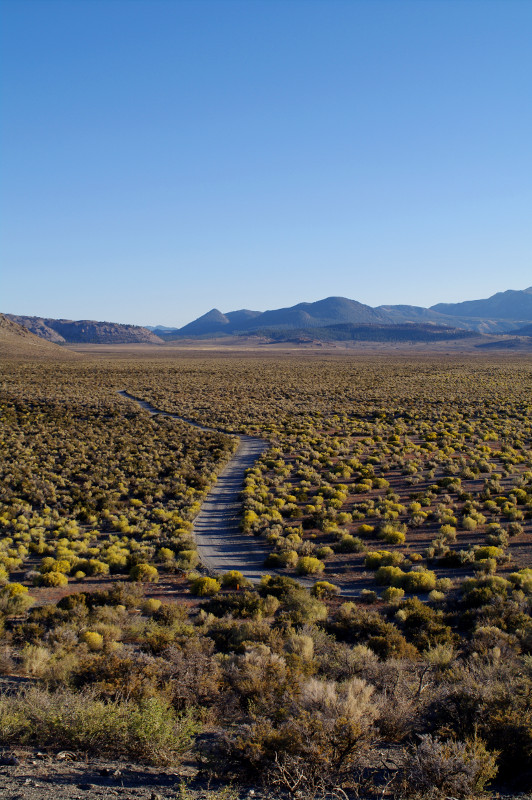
x=215, y=314
x=210, y=323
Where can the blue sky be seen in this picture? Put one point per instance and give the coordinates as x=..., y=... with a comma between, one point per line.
x=165, y=157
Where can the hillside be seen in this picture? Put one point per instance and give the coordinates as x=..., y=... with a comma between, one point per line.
x=16, y=341
x=347, y=332
x=513, y=305
x=85, y=331
x=404, y=313
x=526, y=330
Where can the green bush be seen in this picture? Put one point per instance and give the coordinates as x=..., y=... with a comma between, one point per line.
x=489, y=552
x=393, y=537
x=522, y=580
x=323, y=589
x=383, y=558
x=389, y=576
x=93, y=640
x=151, y=605
x=14, y=599
x=393, y=594
x=418, y=581
x=286, y=558
x=365, y=530
x=205, y=586
x=53, y=579
x=235, y=580
x=307, y=565
x=349, y=544
x=144, y=573
x=480, y=591
x=187, y=559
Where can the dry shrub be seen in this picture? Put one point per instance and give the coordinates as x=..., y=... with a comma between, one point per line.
x=149, y=731
x=440, y=769
x=193, y=675
x=313, y=744
x=35, y=660
x=259, y=678
x=7, y=663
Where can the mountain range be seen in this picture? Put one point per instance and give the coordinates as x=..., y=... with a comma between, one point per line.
x=502, y=313
x=334, y=318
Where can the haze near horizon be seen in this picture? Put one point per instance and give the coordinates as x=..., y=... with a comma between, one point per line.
x=167, y=158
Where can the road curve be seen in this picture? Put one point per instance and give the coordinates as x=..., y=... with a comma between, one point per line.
x=220, y=543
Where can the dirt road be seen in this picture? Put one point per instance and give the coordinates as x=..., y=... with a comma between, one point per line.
x=220, y=543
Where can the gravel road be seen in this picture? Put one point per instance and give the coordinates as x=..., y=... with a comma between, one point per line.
x=221, y=544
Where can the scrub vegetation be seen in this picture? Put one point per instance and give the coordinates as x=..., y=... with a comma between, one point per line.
x=400, y=489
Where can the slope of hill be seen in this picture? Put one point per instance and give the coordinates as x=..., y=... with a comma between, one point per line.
x=514, y=305
x=85, y=331
x=400, y=314
x=513, y=343
x=16, y=341
x=526, y=330
x=345, y=332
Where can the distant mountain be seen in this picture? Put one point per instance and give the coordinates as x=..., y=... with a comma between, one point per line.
x=211, y=323
x=331, y=311
x=399, y=314
x=16, y=341
x=513, y=305
x=501, y=313
x=160, y=329
x=85, y=331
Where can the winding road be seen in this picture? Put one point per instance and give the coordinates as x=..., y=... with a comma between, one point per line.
x=220, y=543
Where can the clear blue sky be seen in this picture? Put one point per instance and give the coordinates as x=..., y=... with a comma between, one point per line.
x=163, y=157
